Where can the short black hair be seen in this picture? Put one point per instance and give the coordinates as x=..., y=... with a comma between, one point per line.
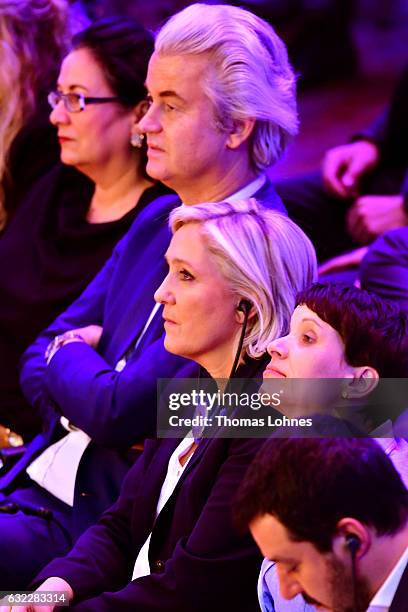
x=122, y=49
x=310, y=484
x=374, y=331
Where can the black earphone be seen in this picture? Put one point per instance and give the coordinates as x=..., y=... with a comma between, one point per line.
x=353, y=543
x=244, y=306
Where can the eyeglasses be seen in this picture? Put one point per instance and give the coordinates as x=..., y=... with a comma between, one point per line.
x=75, y=102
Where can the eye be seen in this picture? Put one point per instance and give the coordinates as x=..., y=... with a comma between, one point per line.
x=169, y=108
x=185, y=275
x=308, y=339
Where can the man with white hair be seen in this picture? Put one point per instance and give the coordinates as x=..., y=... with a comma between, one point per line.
x=222, y=108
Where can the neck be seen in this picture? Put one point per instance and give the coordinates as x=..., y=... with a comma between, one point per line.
x=384, y=555
x=217, y=185
x=219, y=363
x=118, y=188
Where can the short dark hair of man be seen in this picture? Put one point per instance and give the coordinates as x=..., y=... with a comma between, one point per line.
x=374, y=331
x=310, y=484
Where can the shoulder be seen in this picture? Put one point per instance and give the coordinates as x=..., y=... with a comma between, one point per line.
x=268, y=196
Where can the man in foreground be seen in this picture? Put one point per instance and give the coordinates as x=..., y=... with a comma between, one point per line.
x=333, y=515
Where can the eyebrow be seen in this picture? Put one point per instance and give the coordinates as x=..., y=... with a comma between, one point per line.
x=308, y=319
x=72, y=87
x=279, y=559
x=167, y=93
x=177, y=260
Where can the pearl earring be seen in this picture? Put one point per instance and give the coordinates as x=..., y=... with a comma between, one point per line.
x=136, y=140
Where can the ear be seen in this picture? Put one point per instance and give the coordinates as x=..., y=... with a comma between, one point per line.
x=363, y=381
x=140, y=110
x=346, y=528
x=240, y=132
x=240, y=313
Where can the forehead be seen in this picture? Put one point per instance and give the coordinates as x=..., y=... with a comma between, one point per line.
x=189, y=244
x=302, y=312
x=81, y=68
x=274, y=540
x=181, y=74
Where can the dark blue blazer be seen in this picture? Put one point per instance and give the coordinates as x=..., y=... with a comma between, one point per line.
x=116, y=409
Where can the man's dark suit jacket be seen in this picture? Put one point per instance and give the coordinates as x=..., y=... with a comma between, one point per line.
x=116, y=409
x=198, y=561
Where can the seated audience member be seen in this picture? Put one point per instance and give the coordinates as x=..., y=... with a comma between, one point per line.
x=384, y=268
x=210, y=139
x=67, y=224
x=361, y=192
x=34, y=36
x=186, y=557
x=333, y=515
x=336, y=332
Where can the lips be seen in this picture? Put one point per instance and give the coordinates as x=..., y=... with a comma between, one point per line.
x=272, y=372
x=153, y=148
x=168, y=321
x=63, y=138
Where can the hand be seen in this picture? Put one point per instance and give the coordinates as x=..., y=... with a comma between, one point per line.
x=53, y=584
x=91, y=334
x=344, y=166
x=348, y=260
x=371, y=216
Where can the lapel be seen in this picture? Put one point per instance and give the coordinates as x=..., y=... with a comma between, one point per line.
x=400, y=600
x=140, y=271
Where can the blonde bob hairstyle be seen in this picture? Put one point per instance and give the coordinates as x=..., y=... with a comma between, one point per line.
x=34, y=37
x=251, y=77
x=263, y=255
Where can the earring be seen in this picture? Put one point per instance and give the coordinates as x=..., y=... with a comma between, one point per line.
x=136, y=140
x=344, y=394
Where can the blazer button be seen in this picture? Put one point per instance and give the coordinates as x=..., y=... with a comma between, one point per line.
x=158, y=565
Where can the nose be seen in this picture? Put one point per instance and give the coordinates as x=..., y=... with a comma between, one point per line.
x=150, y=122
x=289, y=586
x=163, y=294
x=278, y=347
x=59, y=114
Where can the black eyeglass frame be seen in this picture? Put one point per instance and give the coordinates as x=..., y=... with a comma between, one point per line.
x=55, y=97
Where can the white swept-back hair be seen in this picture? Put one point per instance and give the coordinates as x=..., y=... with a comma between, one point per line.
x=263, y=255
x=251, y=76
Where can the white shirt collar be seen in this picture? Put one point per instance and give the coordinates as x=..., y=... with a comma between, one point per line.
x=246, y=192
x=384, y=596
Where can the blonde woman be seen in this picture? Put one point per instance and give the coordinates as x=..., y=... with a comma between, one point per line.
x=34, y=37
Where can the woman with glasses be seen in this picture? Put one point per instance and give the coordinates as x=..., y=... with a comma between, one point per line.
x=70, y=220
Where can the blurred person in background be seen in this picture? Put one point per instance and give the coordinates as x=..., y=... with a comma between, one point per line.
x=361, y=192
x=34, y=37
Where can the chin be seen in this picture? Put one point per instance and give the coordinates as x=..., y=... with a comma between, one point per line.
x=68, y=160
x=171, y=346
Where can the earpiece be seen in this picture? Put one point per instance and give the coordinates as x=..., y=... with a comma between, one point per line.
x=353, y=544
x=244, y=306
